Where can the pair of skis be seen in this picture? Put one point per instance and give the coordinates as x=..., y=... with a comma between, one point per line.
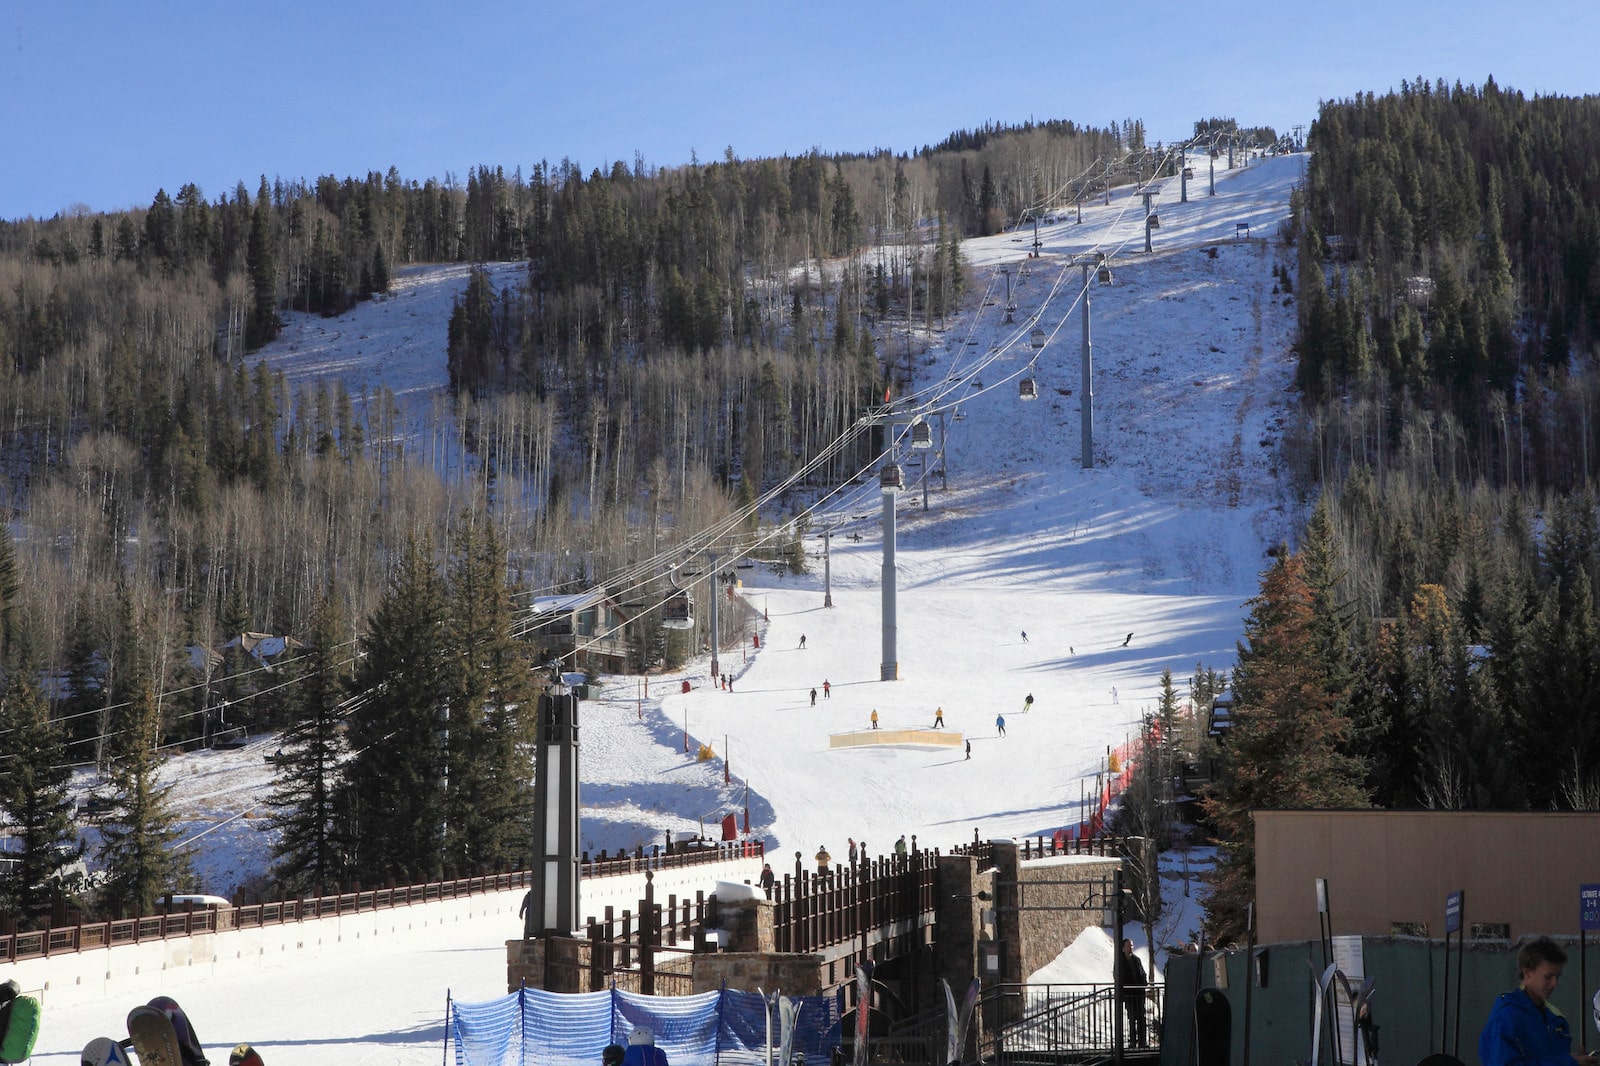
x=787, y=1009
x=1358, y=998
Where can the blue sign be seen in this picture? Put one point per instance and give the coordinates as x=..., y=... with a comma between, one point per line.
x=1589, y=907
x=1452, y=912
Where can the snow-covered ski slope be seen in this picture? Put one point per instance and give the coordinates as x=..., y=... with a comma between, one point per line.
x=1163, y=539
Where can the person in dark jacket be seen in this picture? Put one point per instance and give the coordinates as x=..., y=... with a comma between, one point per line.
x=1134, y=981
x=768, y=878
x=1524, y=1029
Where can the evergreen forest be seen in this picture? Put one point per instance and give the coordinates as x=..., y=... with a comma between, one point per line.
x=1433, y=641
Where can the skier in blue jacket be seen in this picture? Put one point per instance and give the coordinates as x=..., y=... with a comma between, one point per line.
x=1524, y=1028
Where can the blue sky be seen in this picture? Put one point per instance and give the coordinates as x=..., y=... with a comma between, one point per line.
x=103, y=103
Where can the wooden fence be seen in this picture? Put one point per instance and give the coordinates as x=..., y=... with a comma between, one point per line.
x=83, y=936
x=821, y=910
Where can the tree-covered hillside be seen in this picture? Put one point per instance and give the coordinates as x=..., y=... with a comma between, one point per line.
x=679, y=342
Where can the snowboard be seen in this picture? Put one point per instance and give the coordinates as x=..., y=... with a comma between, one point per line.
x=154, y=1039
x=244, y=1055
x=863, y=1012
x=788, y=1015
x=1213, y=1028
x=19, y=1025
x=188, y=1043
x=104, y=1051
x=1322, y=983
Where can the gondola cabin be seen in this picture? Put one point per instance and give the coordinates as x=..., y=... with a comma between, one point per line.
x=678, y=610
x=891, y=479
x=1027, y=390
x=1036, y=338
x=921, y=435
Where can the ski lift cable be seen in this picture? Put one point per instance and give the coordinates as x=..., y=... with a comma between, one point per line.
x=633, y=577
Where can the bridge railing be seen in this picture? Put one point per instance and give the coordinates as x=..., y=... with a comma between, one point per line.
x=193, y=919
x=1041, y=847
x=820, y=910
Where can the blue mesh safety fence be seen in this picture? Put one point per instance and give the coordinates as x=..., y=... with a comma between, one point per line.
x=728, y=1028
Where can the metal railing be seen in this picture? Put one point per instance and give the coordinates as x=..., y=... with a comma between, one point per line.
x=1066, y=1019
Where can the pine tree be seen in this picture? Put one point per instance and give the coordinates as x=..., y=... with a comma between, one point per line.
x=10, y=592
x=989, y=213
x=380, y=269
x=34, y=780
x=137, y=838
x=395, y=775
x=491, y=714
x=308, y=852
x=261, y=263
x=1283, y=749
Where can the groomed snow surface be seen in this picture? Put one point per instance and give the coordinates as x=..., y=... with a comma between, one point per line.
x=1164, y=539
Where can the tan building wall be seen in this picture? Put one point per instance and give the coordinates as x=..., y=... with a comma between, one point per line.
x=1519, y=870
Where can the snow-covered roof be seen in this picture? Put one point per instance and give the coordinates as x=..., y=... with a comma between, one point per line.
x=565, y=604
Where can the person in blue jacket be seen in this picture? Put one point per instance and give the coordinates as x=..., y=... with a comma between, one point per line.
x=642, y=1050
x=1524, y=1028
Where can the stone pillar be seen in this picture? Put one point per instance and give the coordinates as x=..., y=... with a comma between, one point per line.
x=1007, y=927
x=956, y=950
x=748, y=924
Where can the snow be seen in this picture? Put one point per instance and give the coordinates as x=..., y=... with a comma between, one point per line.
x=1163, y=538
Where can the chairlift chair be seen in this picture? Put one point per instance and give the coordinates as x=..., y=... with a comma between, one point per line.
x=1027, y=390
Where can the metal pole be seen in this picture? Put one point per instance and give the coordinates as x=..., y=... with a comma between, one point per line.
x=716, y=591
x=1249, y=972
x=1086, y=393
x=890, y=668
x=1444, y=1017
x=1455, y=1041
x=827, y=568
x=924, y=482
x=944, y=463
x=1211, y=162
x=1183, y=178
